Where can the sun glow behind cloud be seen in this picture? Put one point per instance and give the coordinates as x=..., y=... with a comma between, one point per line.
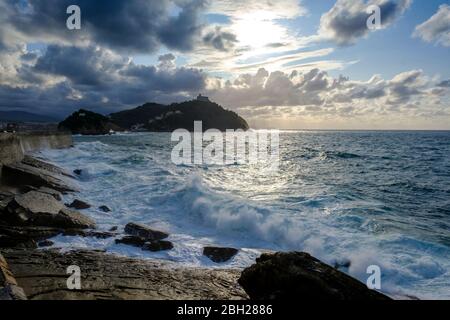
x=256, y=31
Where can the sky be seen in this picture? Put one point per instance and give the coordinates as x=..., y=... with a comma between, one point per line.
x=284, y=64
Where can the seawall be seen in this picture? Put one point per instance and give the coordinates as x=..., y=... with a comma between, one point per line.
x=14, y=146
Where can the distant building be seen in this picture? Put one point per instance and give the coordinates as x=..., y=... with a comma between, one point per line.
x=203, y=98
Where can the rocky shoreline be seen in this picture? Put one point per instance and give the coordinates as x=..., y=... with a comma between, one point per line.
x=32, y=212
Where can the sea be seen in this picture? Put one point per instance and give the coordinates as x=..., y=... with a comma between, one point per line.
x=353, y=199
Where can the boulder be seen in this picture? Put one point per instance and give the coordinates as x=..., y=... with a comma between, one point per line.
x=299, y=276
x=160, y=245
x=78, y=172
x=20, y=174
x=113, y=229
x=145, y=232
x=79, y=205
x=219, y=255
x=41, y=209
x=132, y=241
x=40, y=164
x=104, y=209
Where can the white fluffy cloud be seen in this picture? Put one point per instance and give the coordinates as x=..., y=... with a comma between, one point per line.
x=315, y=93
x=437, y=28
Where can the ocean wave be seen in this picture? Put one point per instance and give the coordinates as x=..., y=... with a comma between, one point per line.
x=334, y=211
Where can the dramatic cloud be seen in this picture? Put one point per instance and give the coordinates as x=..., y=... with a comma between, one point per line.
x=70, y=77
x=220, y=40
x=264, y=94
x=346, y=22
x=246, y=55
x=131, y=26
x=437, y=28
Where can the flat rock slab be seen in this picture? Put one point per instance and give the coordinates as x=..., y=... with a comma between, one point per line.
x=40, y=164
x=38, y=202
x=21, y=174
x=42, y=275
x=41, y=209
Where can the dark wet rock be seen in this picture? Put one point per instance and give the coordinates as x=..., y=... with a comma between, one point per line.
x=113, y=229
x=78, y=172
x=23, y=232
x=41, y=209
x=9, y=289
x=132, y=241
x=156, y=246
x=40, y=164
x=88, y=233
x=20, y=174
x=45, y=243
x=79, y=205
x=104, y=209
x=7, y=241
x=43, y=275
x=145, y=232
x=299, y=276
x=219, y=255
x=4, y=201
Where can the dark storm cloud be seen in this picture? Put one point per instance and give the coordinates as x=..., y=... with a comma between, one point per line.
x=220, y=40
x=98, y=79
x=131, y=25
x=83, y=66
x=346, y=22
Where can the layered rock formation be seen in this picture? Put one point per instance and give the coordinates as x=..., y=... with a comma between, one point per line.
x=43, y=276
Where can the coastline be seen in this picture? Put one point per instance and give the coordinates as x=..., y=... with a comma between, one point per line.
x=33, y=187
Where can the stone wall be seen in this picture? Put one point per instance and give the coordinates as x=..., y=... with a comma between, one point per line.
x=13, y=146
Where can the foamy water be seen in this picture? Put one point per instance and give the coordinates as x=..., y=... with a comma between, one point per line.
x=369, y=197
